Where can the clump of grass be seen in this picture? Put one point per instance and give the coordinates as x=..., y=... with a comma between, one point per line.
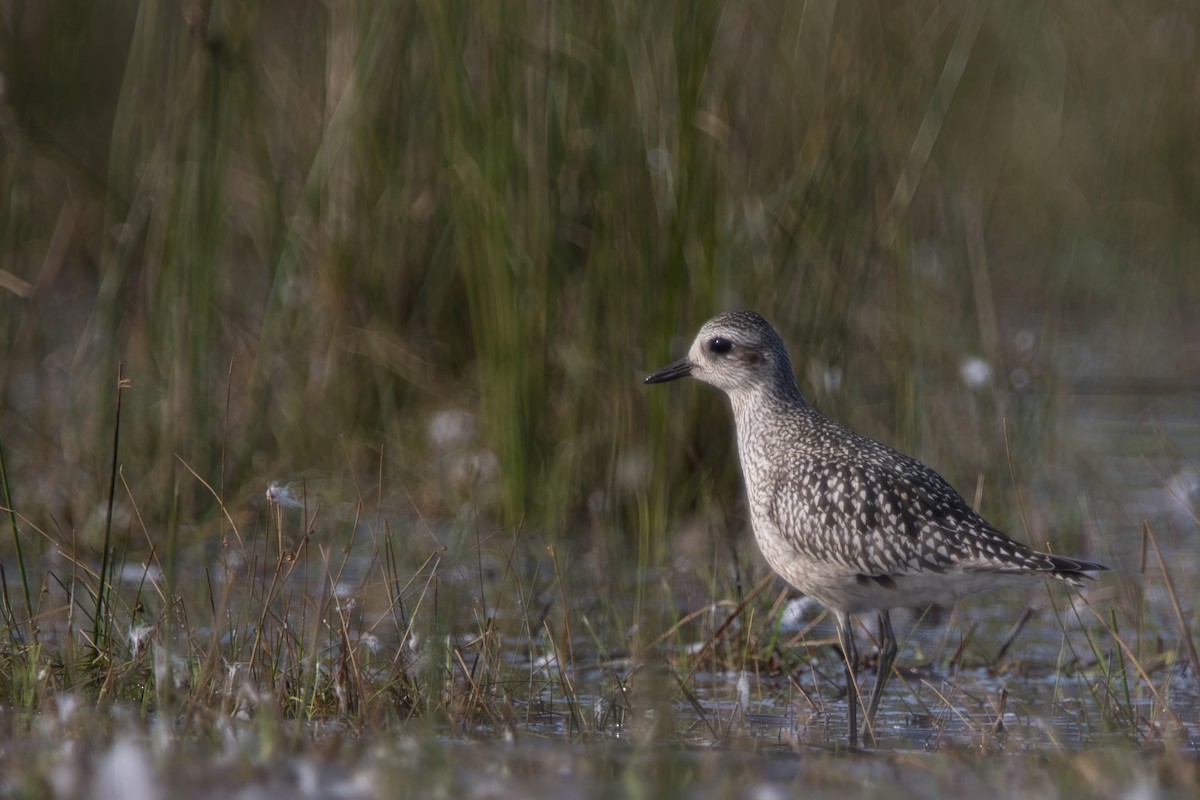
x=283, y=639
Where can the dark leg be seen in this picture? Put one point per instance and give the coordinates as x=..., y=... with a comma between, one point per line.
x=887, y=657
x=850, y=660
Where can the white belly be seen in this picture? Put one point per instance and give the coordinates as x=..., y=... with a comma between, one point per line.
x=841, y=588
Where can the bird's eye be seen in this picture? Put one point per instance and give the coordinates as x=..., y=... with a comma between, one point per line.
x=720, y=346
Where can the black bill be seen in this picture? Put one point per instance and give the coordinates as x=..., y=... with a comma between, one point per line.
x=680, y=369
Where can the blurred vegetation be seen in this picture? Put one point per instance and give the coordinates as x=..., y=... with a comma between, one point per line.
x=406, y=264
x=307, y=228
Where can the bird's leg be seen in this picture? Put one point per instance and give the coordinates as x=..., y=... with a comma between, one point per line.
x=887, y=657
x=850, y=660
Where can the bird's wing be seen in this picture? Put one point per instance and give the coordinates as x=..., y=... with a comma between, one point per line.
x=889, y=516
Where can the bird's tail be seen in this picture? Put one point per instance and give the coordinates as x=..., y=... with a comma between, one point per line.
x=1073, y=570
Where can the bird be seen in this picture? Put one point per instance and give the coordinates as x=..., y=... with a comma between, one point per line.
x=850, y=522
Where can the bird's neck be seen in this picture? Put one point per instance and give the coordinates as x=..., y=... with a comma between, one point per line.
x=757, y=404
x=760, y=413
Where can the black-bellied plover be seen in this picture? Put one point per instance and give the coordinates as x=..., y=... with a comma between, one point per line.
x=848, y=521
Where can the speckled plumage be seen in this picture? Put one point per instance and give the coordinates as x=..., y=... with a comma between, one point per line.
x=850, y=522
